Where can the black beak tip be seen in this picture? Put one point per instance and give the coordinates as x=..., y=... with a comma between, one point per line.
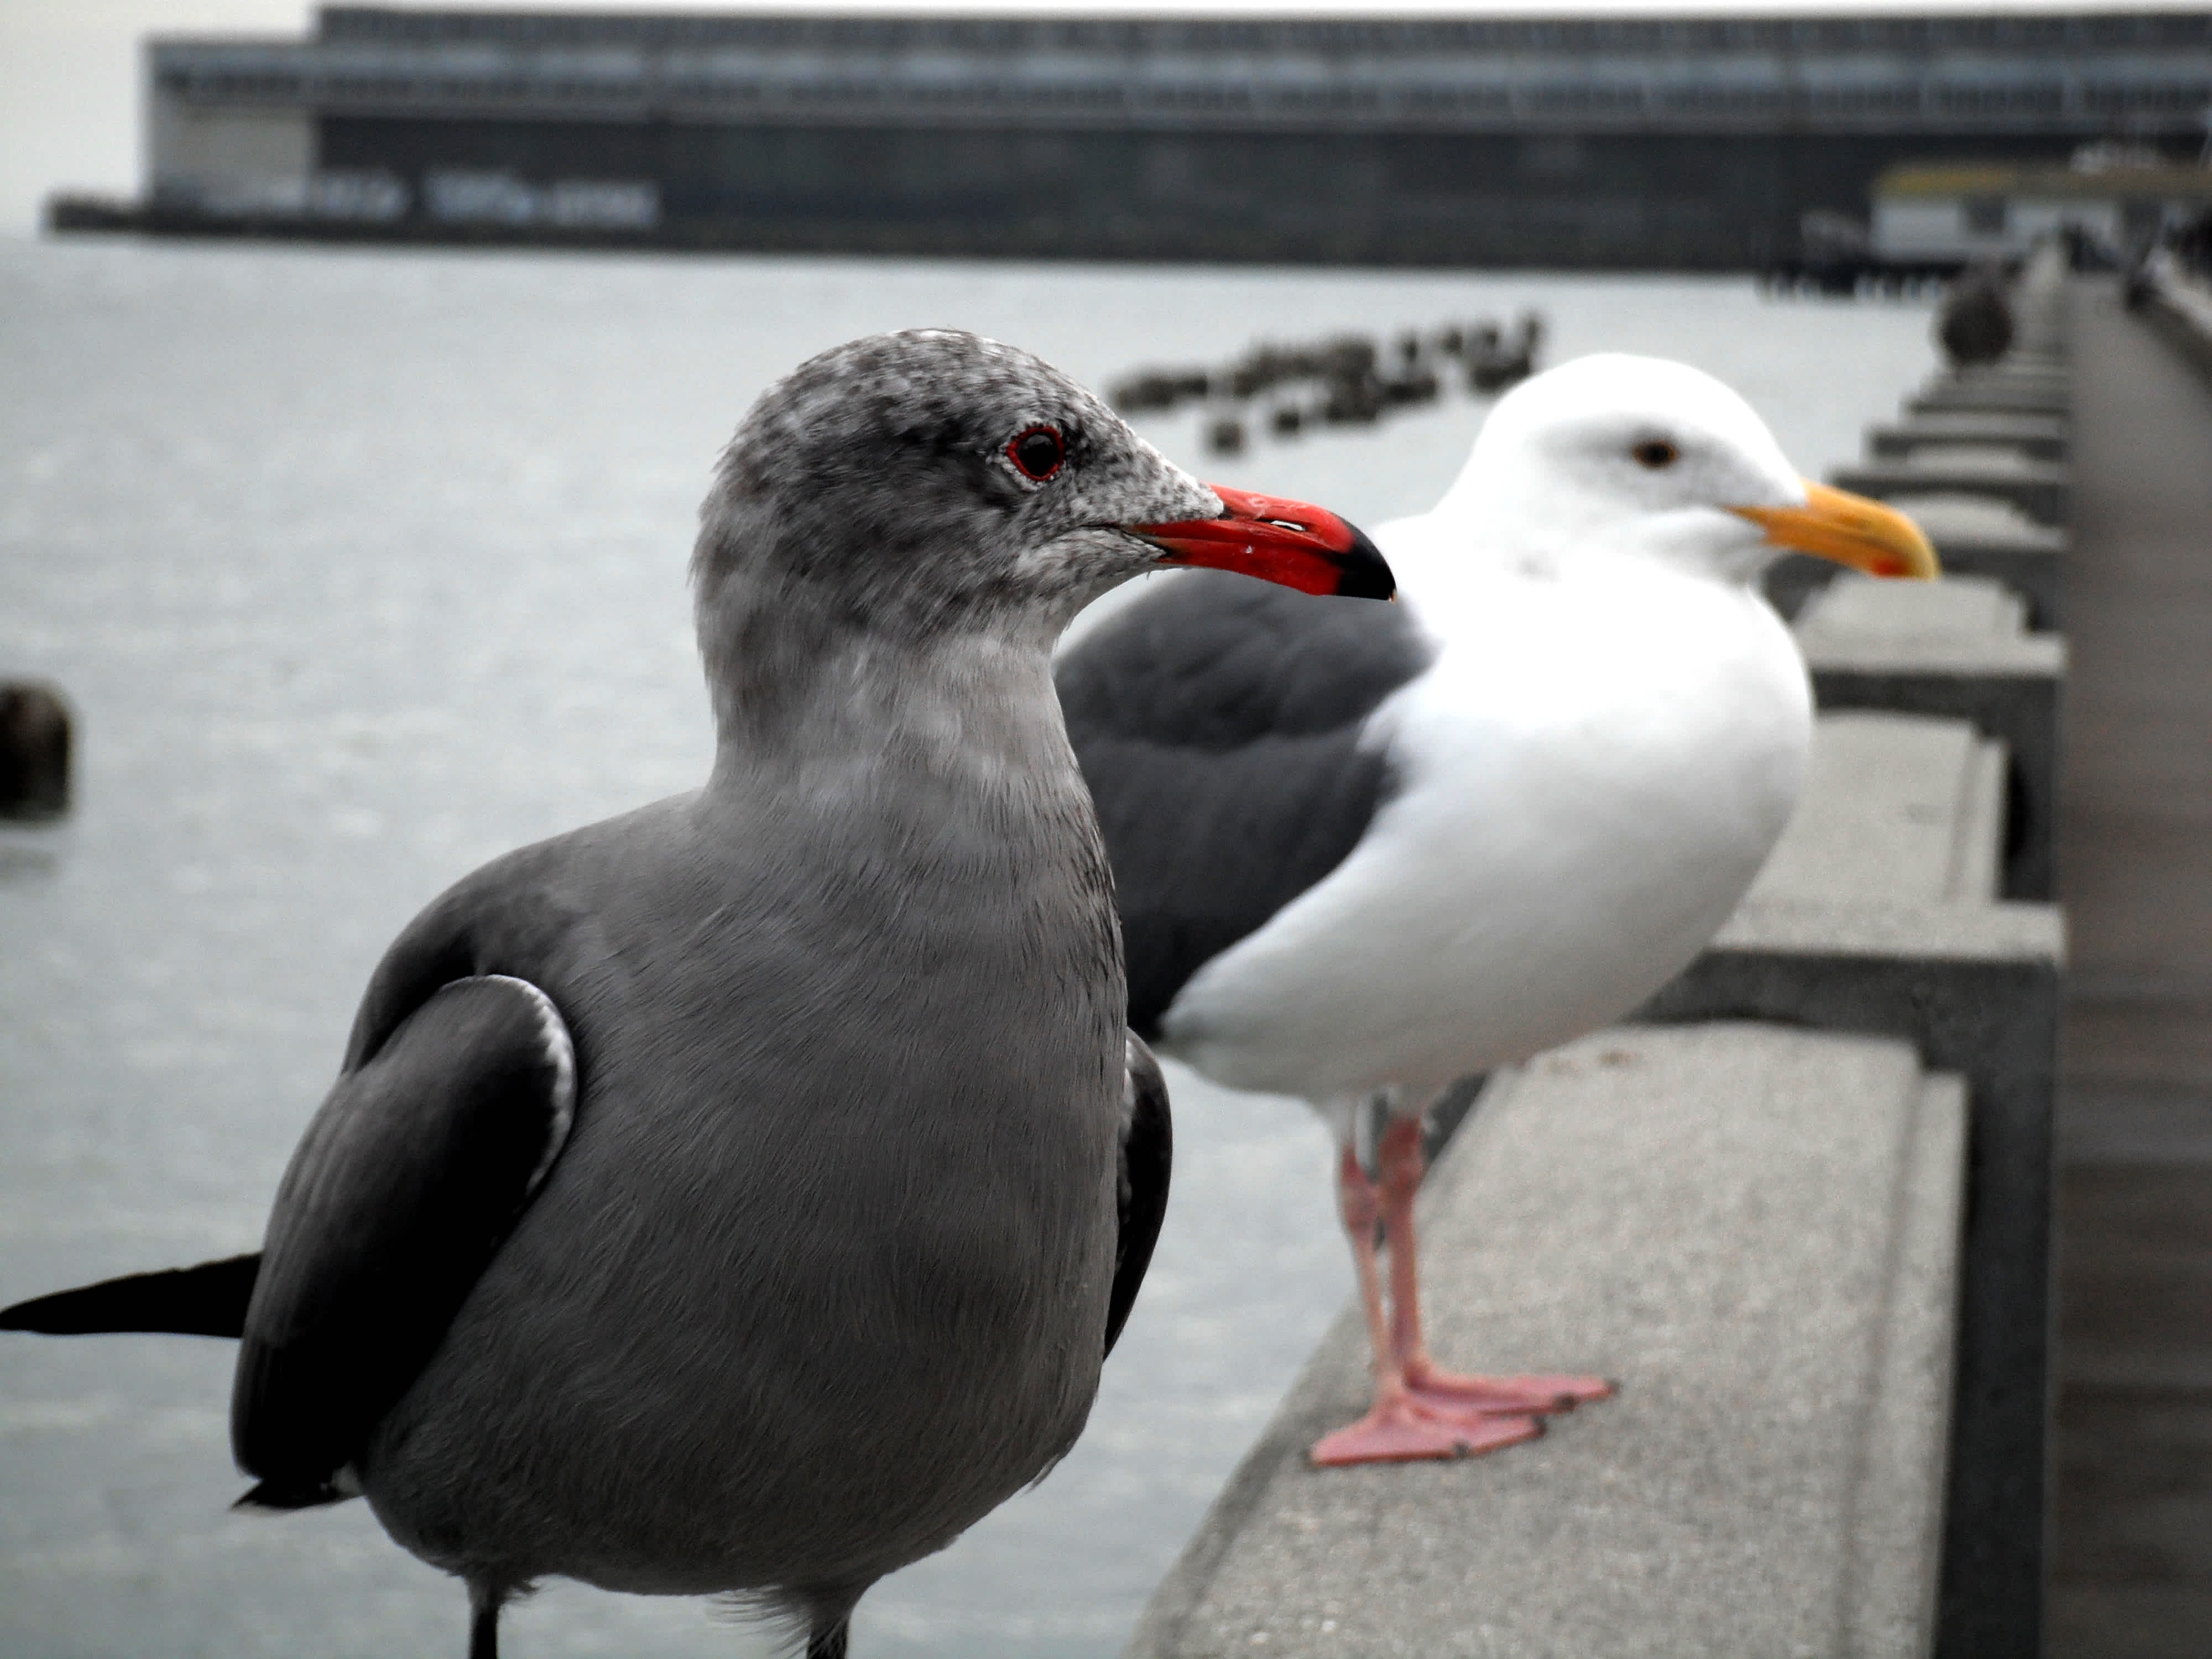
x=1365, y=573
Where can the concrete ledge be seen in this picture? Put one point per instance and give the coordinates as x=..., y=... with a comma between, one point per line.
x=1967, y=938
x=2022, y=384
x=1990, y=397
x=1953, y=649
x=2039, y=488
x=1755, y=1232
x=2039, y=437
x=1974, y=988
x=1909, y=808
x=1950, y=611
x=1893, y=1578
x=1961, y=523
x=2040, y=307
x=2179, y=332
x=2178, y=309
x=1974, y=536
x=2024, y=365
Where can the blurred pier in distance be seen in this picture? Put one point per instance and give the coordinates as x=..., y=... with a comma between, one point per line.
x=1347, y=379
x=1646, y=143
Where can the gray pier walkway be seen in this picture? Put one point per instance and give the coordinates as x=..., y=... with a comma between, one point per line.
x=2131, y=1567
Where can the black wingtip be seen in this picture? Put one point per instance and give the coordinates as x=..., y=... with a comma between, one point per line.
x=64, y=1313
x=209, y=1300
x=267, y=1498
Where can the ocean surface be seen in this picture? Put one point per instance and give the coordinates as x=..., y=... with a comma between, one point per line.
x=362, y=566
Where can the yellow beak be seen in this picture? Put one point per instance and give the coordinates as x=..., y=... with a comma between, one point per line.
x=1834, y=524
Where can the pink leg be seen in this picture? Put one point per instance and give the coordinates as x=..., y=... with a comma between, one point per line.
x=1399, y=1428
x=1401, y=1160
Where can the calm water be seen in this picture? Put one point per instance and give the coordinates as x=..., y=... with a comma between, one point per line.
x=363, y=566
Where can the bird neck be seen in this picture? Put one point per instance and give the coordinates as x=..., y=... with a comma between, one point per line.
x=970, y=711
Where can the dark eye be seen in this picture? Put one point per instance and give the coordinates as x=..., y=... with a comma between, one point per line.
x=1038, y=452
x=1654, y=453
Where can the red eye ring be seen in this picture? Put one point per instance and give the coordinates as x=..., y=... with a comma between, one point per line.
x=1034, y=460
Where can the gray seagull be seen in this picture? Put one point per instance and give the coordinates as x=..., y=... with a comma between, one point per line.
x=740, y=1196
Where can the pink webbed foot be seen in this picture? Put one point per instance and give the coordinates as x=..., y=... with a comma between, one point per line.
x=1456, y=1392
x=1405, y=1432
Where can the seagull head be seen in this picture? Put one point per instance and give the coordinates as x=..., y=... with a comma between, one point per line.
x=934, y=482
x=1621, y=454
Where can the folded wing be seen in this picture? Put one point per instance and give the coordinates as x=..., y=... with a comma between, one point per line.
x=1147, y=1153
x=1219, y=723
x=407, y=1183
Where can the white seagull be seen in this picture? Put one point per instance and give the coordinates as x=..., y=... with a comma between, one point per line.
x=1362, y=851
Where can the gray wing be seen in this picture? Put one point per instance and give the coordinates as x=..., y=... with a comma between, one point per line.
x=408, y=1181
x=1147, y=1155
x=1218, y=725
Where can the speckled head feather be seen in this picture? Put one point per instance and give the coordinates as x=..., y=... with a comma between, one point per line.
x=872, y=489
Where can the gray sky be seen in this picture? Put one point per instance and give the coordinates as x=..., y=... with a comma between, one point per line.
x=68, y=69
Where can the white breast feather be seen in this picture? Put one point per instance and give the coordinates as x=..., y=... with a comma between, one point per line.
x=1592, y=773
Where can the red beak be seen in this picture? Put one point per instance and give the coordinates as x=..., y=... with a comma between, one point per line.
x=1278, y=541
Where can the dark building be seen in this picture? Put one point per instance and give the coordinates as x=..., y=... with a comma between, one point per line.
x=1684, y=142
